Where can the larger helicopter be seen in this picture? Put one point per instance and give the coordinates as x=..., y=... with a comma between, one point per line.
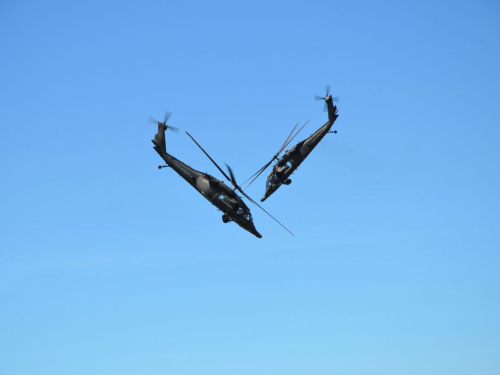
x=214, y=190
x=292, y=158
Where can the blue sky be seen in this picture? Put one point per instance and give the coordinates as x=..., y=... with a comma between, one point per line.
x=109, y=266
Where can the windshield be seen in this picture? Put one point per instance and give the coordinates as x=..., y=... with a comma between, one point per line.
x=269, y=183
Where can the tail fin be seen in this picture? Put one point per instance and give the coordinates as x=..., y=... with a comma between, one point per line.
x=332, y=110
x=159, y=140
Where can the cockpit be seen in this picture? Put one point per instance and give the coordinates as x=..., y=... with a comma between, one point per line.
x=269, y=182
x=244, y=213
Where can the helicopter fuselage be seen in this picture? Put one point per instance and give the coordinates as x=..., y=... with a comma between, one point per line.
x=294, y=157
x=215, y=191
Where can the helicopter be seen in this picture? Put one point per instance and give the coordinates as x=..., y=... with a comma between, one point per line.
x=214, y=190
x=294, y=157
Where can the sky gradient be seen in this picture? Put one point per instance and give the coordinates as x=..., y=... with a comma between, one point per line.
x=110, y=266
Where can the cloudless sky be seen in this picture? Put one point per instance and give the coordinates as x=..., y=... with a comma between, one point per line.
x=110, y=266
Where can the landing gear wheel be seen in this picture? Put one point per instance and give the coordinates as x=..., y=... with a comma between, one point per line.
x=225, y=219
x=288, y=182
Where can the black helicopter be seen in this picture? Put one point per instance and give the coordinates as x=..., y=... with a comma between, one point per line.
x=214, y=190
x=292, y=158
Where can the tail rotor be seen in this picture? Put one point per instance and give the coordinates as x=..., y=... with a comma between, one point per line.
x=326, y=97
x=164, y=123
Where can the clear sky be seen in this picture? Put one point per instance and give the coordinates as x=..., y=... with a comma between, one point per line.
x=110, y=266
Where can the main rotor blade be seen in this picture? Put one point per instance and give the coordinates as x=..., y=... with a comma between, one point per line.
x=257, y=174
x=212, y=160
x=296, y=133
x=286, y=140
x=259, y=171
x=175, y=129
x=167, y=116
x=327, y=90
x=251, y=200
x=233, y=179
x=336, y=99
x=317, y=97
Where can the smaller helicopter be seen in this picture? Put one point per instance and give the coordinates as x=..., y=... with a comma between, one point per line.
x=294, y=157
x=214, y=190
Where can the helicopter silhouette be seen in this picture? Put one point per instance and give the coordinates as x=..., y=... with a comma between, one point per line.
x=215, y=191
x=293, y=158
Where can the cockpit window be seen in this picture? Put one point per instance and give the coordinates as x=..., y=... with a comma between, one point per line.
x=269, y=182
